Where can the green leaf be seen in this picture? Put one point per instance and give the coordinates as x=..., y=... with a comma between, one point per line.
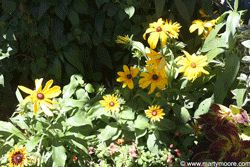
x=43, y=7
x=108, y=132
x=66, y=2
x=73, y=17
x=19, y=96
x=99, y=3
x=89, y=88
x=152, y=143
x=8, y=6
x=182, y=9
x=204, y=107
x=181, y=113
x=9, y=127
x=213, y=53
x=61, y=11
x=185, y=129
x=213, y=33
x=79, y=119
x=130, y=10
x=57, y=69
x=43, y=29
x=57, y=32
x=32, y=143
x=246, y=44
x=1, y=80
x=99, y=22
x=103, y=56
x=112, y=9
x=143, y=95
x=240, y=94
x=159, y=5
x=140, y=133
x=232, y=23
x=236, y=5
x=226, y=78
x=59, y=155
x=69, y=90
x=141, y=122
x=215, y=43
x=127, y=114
x=81, y=6
x=165, y=124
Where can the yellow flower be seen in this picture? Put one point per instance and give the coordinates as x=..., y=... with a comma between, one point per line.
x=203, y=14
x=201, y=25
x=127, y=76
x=18, y=157
x=154, y=78
x=110, y=103
x=155, y=113
x=196, y=128
x=172, y=29
x=42, y=97
x=192, y=66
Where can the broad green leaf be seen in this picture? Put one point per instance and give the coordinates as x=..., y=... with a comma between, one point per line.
x=57, y=32
x=81, y=6
x=57, y=69
x=61, y=11
x=141, y=122
x=204, y=107
x=213, y=53
x=182, y=9
x=140, y=133
x=99, y=3
x=240, y=94
x=130, y=10
x=59, y=155
x=181, y=113
x=152, y=143
x=32, y=143
x=159, y=5
x=1, y=80
x=43, y=7
x=191, y=6
x=7, y=54
x=69, y=90
x=213, y=33
x=73, y=17
x=232, y=24
x=108, y=132
x=236, y=4
x=185, y=129
x=127, y=114
x=19, y=96
x=9, y=127
x=79, y=119
x=103, y=56
x=165, y=124
x=99, y=22
x=112, y=9
x=43, y=29
x=246, y=43
x=9, y=6
x=143, y=95
x=215, y=43
x=81, y=144
x=226, y=78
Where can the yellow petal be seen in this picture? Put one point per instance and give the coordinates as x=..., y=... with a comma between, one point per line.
x=26, y=100
x=46, y=110
x=200, y=30
x=135, y=72
x=193, y=27
x=130, y=84
x=152, y=88
x=50, y=101
x=47, y=104
x=164, y=38
x=149, y=30
x=52, y=90
x=120, y=79
x=53, y=93
x=153, y=39
x=38, y=83
x=48, y=85
x=125, y=68
x=36, y=107
x=26, y=90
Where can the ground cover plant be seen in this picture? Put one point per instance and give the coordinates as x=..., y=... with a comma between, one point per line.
x=171, y=106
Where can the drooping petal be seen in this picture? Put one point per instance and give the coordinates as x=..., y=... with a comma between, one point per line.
x=164, y=38
x=149, y=30
x=36, y=107
x=26, y=90
x=48, y=85
x=153, y=39
x=38, y=83
x=46, y=110
x=47, y=104
x=125, y=68
x=50, y=101
x=26, y=100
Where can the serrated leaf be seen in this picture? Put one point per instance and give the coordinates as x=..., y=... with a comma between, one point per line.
x=73, y=17
x=226, y=78
x=182, y=9
x=130, y=10
x=99, y=22
x=43, y=7
x=112, y=9
x=8, y=6
x=59, y=155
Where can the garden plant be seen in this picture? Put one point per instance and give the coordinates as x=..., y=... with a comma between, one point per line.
x=171, y=99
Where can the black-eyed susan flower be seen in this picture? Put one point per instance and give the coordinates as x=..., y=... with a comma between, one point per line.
x=42, y=97
x=196, y=128
x=201, y=25
x=127, y=76
x=157, y=60
x=153, y=77
x=157, y=32
x=110, y=103
x=18, y=157
x=192, y=66
x=154, y=113
x=172, y=29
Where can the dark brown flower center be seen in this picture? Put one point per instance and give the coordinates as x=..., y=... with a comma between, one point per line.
x=154, y=113
x=155, y=77
x=158, y=29
x=193, y=65
x=111, y=104
x=129, y=76
x=17, y=158
x=40, y=96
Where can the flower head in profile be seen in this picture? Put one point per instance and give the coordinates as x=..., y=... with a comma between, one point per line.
x=18, y=157
x=153, y=77
x=110, y=103
x=126, y=41
x=41, y=96
x=201, y=26
x=154, y=113
x=192, y=66
x=127, y=76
